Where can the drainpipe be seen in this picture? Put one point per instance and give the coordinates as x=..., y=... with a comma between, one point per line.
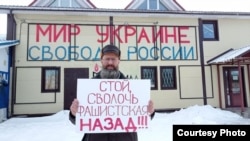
x=11, y=35
x=202, y=62
x=111, y=25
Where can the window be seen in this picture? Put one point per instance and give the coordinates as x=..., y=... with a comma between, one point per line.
x=150, y=73
x=210, y=30
x=50, y=79
x=64, y=3
x=153, y=4
x=168, y=77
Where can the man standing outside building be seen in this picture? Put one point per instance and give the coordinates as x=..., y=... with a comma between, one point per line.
x=110, y=59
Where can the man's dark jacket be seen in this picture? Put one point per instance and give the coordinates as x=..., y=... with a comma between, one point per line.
x=131, y=136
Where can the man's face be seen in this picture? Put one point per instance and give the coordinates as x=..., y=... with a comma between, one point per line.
x=110, y=66
x=110, y=61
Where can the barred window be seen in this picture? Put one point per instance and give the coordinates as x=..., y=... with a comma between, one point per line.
x=168, y=77
x=150, y=72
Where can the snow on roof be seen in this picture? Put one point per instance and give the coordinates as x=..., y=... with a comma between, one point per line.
x=230, y=55
x=8, y=43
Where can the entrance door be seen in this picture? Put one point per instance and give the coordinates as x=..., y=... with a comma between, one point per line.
x=232, y=86
x=70, y=83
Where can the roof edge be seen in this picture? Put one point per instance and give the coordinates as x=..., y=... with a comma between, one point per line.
x=223, y=53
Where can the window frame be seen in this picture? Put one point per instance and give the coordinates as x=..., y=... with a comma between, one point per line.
x=174, y=77
x=154, y=86
x=214, y=23
x=56, y=79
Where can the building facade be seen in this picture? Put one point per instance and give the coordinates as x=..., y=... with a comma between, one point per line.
x=180, y=51
x=5, y=59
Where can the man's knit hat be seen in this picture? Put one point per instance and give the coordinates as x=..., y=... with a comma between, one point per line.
x=111, y=49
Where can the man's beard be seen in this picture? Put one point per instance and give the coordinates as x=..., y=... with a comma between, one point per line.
x=110, y=74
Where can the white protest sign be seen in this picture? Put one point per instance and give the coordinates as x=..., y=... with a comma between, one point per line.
x=112, y=105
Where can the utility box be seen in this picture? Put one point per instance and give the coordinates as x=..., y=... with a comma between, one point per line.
x=3, y=114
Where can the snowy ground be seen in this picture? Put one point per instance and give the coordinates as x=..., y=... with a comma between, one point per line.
x=58, y=128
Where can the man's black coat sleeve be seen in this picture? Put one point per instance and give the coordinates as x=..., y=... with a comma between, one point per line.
x=72, y=118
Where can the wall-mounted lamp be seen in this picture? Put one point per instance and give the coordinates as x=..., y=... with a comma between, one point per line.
x=125, y=23
x=155, y=23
